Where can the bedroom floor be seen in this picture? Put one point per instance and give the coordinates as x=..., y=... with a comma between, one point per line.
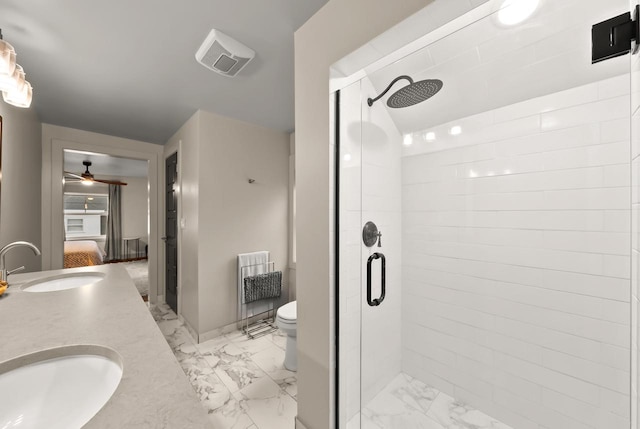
x=242, y=383
x=139, y=273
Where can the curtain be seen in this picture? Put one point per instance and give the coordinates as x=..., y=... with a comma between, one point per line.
x=113, y=243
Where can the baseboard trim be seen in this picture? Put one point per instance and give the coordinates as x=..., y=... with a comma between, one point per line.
x=215, y=333
x=299, y=424
x=192, y=332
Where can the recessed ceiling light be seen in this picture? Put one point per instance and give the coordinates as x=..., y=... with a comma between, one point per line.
x=347, y=157
x=408, y=140
x=513, y=12
x=455, y=130
x=430, y=136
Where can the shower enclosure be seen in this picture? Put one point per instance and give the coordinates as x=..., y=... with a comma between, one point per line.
x=484, y=240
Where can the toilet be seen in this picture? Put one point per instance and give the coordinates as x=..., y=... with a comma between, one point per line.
x=286, y=319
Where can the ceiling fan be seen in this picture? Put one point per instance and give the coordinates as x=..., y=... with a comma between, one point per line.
x=87, y=178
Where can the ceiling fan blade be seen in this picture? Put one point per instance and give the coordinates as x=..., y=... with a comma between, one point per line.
x=110, y=182
x=73, y=175
x=88, y=177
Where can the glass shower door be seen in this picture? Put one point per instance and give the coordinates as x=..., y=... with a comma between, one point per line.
x=493, y=235
x=381, y=255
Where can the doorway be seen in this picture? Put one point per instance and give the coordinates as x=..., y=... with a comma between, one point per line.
x=56, y=141
x=106, y=213
x=171, y=229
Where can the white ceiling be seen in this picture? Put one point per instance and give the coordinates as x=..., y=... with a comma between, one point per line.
x=104, y=165
x=487, y=65
x=127, y=68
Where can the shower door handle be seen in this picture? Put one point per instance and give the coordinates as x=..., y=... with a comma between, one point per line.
x=383, y=275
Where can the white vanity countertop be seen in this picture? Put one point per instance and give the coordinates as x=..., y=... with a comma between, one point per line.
x=154, y=391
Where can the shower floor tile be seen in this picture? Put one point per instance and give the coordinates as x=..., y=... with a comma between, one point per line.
x=242, y=383
x=410, y=404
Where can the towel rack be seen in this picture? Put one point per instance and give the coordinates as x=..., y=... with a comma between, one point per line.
x=263, y=310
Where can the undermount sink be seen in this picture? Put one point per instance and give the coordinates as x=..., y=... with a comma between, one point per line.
x=63, y=282
x=60, y=388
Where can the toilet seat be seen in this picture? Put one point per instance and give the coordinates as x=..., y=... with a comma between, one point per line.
x=288, y=313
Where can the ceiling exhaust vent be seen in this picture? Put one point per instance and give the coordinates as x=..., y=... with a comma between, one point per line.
x=223, y=55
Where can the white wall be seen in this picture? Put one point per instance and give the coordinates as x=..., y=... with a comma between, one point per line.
x=224, y=214
x=20, y=187
x=135, y=209
x=240, y=216
x=516, y=260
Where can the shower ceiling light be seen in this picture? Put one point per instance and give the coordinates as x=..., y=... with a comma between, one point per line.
x=408, y=140
x=430, y=136
x=455, y=130
x=347, y=157
x=15, y=89
x=513, y=12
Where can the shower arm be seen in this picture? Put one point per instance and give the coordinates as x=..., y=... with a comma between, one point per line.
x=371, y=101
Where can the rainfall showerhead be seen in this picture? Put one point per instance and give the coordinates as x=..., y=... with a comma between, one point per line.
x=411, y=94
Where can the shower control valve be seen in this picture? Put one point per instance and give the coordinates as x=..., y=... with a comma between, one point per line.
x=370, y=234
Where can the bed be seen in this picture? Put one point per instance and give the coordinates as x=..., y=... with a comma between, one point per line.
x=82, y=253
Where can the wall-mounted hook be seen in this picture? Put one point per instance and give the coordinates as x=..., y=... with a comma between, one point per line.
x=251, y=180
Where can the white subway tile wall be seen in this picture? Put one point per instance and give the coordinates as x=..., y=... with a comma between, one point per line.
x=516, y=259
x=635, y=227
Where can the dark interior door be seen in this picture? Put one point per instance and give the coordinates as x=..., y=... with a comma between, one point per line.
x=171, y=232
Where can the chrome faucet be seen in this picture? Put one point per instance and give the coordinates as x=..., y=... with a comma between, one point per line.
x=3, y=270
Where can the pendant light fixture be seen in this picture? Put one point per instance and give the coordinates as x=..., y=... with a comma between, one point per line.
x=19, y=98
x=15, y=88
x=7, y=65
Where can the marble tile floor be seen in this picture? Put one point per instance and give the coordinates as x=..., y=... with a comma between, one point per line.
x=242, y=383
x=408, y=403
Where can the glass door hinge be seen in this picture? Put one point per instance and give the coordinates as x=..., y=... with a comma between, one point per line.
x=613, y=37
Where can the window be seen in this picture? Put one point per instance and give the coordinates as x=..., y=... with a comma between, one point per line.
x=75, y=225
x=85, y=215
x=85, y=203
